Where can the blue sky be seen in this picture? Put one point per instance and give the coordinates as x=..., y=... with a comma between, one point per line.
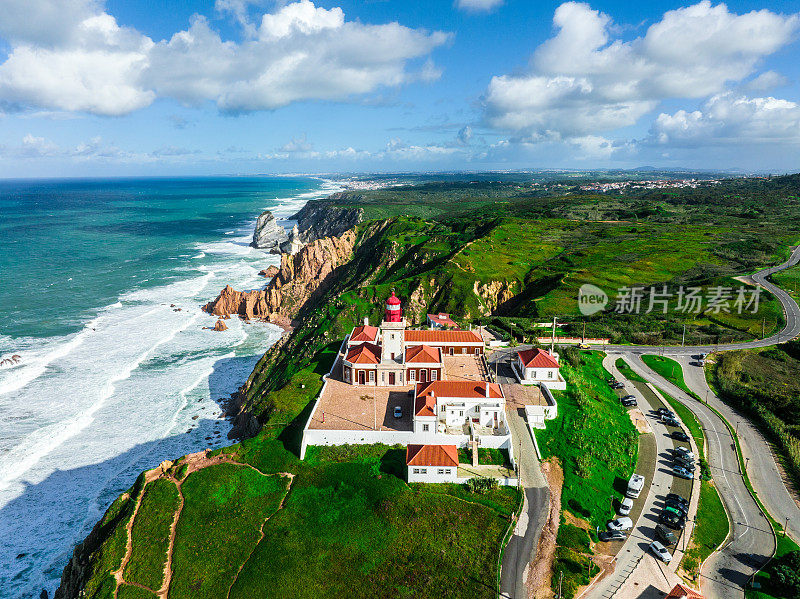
x=232, y=86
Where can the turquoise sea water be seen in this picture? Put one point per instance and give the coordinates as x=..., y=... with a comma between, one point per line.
x=101, y=284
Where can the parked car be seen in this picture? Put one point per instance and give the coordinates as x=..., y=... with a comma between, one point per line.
x=674, y=497
x=625, y=506
x=629, y=403
x=660, y=552
x=682, y=509
x=398, y=412
x=612, y=381
x=665, y=412
x=618, y=386
x=684, y=463
x=680, y=436
x=673, y=510
x=612, y=535
x=669, y=421
x=684, y=451
x=672, y=521
x=628, y=397
x=624, y=523
x=682, y=472
x=665, y=535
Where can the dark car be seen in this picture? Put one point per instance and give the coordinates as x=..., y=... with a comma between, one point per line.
x=611, y=535
x=628, y=397
x=683, y=509
x=672, y=521
x=665, y=535
x=665, y=412
x=669, y=421
x=618, y=386
x=680, y=436
x=612, y=381
x=684, y=462
x=674, y=497
x=629, y=403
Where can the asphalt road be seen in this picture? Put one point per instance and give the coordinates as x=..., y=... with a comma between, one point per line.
x=751, y=542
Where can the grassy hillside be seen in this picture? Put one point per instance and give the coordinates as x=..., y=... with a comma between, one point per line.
x=765, y=385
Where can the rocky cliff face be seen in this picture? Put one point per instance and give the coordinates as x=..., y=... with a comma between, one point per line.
x=268, y=234
x=319, y=218
x=300, y=277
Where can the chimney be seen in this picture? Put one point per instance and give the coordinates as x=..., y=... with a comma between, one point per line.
x=366, y=321
x=433, y=394
x=487, y=389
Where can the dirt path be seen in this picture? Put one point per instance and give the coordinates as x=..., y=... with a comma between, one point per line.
x=193, y=462
x=540, y=573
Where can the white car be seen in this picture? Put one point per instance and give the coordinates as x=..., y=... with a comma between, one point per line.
x=620, y=524
x=685, y=451
x=625, y=507
x=660, y=552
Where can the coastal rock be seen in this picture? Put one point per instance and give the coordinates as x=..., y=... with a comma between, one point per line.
x=319, y=219
x=269, y=272
x=220, y=326
x=268, y=234
x=300, y=276
x=12, y=361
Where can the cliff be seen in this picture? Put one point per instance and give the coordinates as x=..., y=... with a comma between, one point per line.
x=300, y=277
x=268, y=234
x=320, y=218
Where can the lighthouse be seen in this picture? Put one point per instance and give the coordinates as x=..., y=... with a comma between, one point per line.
x=393, y=330
x=393, y=311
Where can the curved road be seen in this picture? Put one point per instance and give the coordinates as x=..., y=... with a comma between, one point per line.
x=751, y=541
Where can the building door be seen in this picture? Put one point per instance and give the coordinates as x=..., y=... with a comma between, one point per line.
x=391, y=378
x=451, y=351
x=361, y=377
x=423, y=376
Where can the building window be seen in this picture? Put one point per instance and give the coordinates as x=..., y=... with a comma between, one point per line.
x=461, y=413
x=416, y=470
x=425, y=428
x=477, y=351
x=346, y=375
x=371, y=376
x=440, y=471
x=434, y=374
x=550, y=374
x=423, y=471
x=383, y=378
x=412, y=375
x=392, y=355
x=443, y=408
x=391, y=336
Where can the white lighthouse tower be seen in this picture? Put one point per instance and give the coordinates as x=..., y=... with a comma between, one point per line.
x=393, y=327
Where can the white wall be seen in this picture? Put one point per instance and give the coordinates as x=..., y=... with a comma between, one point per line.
x=430, y=474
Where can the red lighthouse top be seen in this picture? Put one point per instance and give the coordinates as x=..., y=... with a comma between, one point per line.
x=393, y=312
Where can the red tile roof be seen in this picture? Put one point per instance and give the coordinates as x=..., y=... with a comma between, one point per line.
x=432, y=455
x=366, y=353
x=425, y=405
x=364, y=333
x=443, y=320
x=442, y=337
x=423, y=354
x=681, y=591
x=466, y=389
x=537, y=358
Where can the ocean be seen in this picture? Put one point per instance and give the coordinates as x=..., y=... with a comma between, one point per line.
x=101, y=283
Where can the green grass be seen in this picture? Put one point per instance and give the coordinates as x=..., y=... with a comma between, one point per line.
x=594, y=439
x=486, y=457
x=127, y=591
x=348, y=521
x=669, y=369
x=710, y=530
x=224, y=508
x=766, y=591
x=626, y=371
x=150, y=534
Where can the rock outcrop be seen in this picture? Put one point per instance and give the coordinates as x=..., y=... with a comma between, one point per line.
x=268, y=234
x=12, y=361
x=320, y=218
x=269, y=272
x=294, y=244
x=300, y=277
x=220, y=326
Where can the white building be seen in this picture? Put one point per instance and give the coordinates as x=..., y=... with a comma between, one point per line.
x=535, y=366
x=432, y=463
x=459, y=407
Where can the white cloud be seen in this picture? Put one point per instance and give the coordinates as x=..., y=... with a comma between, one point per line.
x=478, y=5
x=297, y=144
x=766, y=81
x=582, y=82
x=730, y=119
x=88, y=63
